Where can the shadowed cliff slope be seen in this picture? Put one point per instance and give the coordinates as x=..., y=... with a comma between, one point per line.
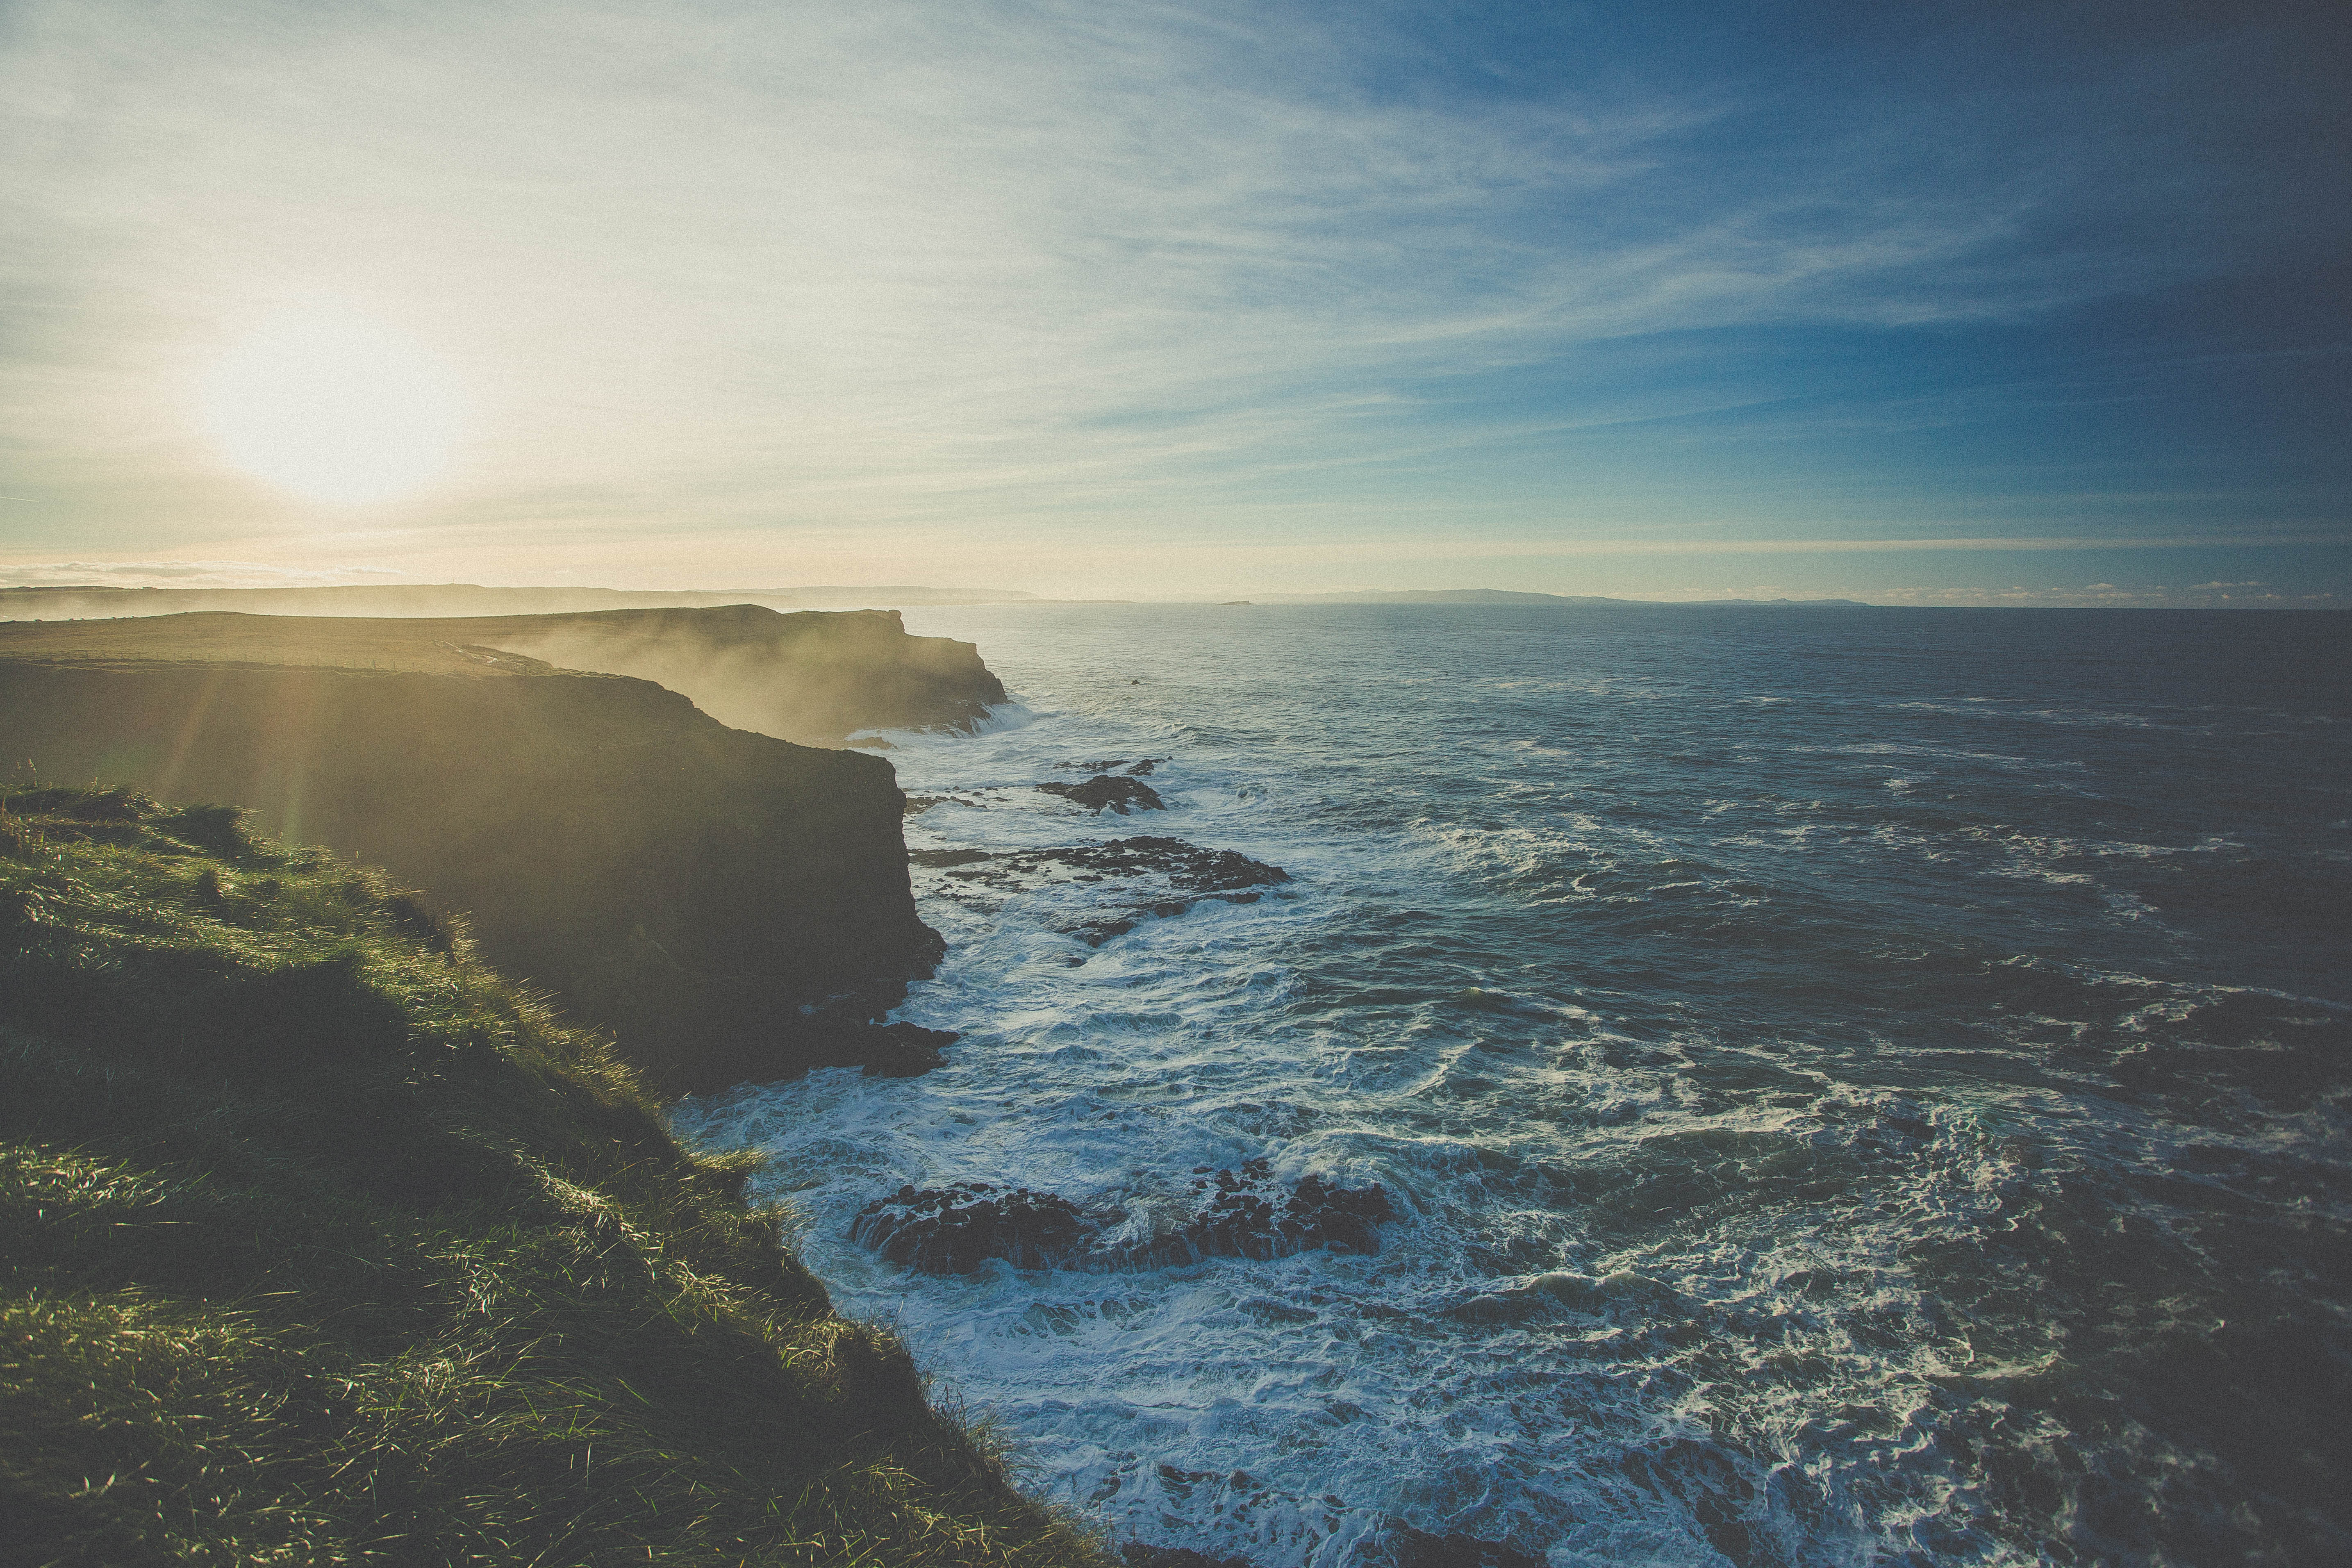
x=692, y=887
x=813, y=677
x=320, y=1243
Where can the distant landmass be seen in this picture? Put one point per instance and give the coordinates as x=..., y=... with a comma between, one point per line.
x=1507, y=596
x=437, y=600
x=98, y=601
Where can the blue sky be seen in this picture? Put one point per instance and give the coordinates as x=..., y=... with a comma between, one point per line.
x=1934, y=304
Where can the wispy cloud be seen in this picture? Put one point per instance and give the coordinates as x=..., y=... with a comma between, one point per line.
x=915, y=265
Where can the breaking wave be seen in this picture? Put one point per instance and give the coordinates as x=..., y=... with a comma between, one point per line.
x=1774, y=1165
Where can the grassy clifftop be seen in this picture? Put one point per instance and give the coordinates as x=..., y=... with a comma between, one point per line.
x=689, y=886
x=322, y=1244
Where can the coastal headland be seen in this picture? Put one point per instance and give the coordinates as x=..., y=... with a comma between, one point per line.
x=813, y=677
x=323, y=1243
x=728, y=904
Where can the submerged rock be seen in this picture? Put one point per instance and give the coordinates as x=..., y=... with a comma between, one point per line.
x=898, y=1050
x=1140, y=877
x=1121, y=794
x=1137, y=769
x=1240, y=1217
x=1239, y=1213
x=955, y=1229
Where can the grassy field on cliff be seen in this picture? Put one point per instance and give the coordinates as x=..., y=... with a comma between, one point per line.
x=325, y=1245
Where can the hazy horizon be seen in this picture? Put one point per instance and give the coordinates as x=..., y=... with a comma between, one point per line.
x=838, y=596
x=1209, y=302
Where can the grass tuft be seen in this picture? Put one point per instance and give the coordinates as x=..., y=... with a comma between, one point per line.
x=324, y=1244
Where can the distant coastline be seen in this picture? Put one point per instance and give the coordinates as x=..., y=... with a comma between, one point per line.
x=1507, y=596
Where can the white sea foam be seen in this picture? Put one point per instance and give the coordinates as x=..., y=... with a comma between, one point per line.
x=1688, y=1070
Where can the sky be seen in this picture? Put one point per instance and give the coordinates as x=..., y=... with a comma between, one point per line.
x=1920, y=304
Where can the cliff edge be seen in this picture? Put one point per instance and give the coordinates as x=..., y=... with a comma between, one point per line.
x=815, y=677
x=319, y=1243
x=728, y=904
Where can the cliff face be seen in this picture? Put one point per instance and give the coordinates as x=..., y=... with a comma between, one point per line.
x=813, y=677
x=324, y=1244
x=688, y=886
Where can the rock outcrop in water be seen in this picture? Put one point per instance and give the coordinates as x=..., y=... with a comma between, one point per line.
x=1119, y=794
x=728, y=904
x=1138, y=878
x=955, y=1229
x=1138, y=769
x=1237, y=1214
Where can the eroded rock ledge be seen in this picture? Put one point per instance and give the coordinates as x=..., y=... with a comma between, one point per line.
x=1138, y=878
x=1246, y=1213
x=1119, y=794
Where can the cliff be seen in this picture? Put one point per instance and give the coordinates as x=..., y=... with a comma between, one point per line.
x=813, y=677
x=694, y=889
x=319, y=1243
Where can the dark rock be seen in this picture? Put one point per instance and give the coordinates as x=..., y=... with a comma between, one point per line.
x=1320, y=1214
x=902, y=1050
x=950, y=857
x=1142, y=877
x=1413, y=1548
x=955, y=1229
x=1241, y=1214
x=1095, y=932
x=1137, y=769
x=848, y=1036
x=1186, y=865
x=1121, y=794
x=919, y=803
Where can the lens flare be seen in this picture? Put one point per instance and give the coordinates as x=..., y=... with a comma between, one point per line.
x=332, y=405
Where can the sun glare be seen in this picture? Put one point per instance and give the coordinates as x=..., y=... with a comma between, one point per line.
x=332, y=405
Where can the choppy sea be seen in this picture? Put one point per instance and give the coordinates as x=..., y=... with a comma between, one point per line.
x=1855, y=1086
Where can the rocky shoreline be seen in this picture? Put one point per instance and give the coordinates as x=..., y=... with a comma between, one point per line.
x=731, y=905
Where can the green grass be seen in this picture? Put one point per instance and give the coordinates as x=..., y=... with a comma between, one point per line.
x=324, y=1244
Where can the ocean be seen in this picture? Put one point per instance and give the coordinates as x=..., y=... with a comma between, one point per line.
x=1847, y=1086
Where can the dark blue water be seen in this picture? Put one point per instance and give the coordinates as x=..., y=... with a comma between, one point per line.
x=1858, y=1086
